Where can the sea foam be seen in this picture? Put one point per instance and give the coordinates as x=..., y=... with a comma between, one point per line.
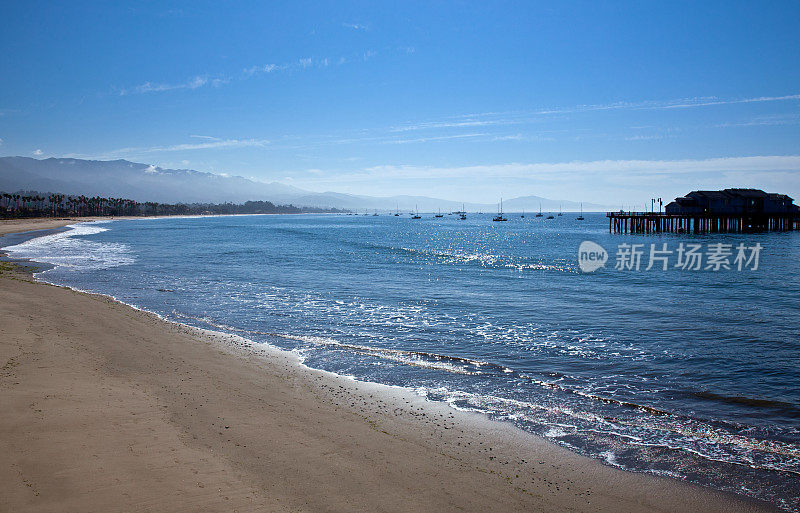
x=71, y=250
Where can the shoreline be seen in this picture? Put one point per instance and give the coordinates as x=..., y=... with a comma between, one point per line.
x=262, y=430
x=10, y=226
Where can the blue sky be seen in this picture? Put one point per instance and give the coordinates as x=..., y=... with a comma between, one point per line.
x=590, y=101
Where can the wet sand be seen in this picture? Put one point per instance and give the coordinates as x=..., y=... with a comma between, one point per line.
x=107, y=408
x=39, y=223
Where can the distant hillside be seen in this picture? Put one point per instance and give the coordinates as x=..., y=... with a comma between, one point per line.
x=143, y=182
x=383, y=203
x=531, y=204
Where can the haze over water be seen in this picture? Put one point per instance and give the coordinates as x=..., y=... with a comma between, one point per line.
x=691, y=374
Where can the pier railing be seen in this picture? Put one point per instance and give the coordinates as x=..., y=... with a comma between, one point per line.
x=656, y=222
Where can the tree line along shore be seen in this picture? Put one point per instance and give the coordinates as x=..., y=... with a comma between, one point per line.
x=23, y=204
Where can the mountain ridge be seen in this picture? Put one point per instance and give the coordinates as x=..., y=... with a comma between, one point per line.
x=146, y=182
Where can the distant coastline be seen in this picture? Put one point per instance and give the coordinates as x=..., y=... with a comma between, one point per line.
x=32, y=204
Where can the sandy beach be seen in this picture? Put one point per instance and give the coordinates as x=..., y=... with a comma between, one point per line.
x=108, y=408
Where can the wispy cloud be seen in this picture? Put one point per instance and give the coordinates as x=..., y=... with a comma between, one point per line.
x=206, y=137
x=530, y=116
x=644, y=137
x=683, y=103
x=561, y=170
x=431, y=139
x=265, y=68
x=38, y=152
x=212, y=143
x=217, y=143
x=200, y=81
x=355, y=26
x=523, y=137
x=451, y=124
x=705, y=102
x=776, y=120
x=150, y=87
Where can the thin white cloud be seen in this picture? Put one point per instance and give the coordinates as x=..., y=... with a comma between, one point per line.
x=303, y=63
x=193, y=83
x=644, y=137
x=210, y=144
x=522, y=117
x=38, y=152
x=759, y=163
x=266, y=68
x=226, y=143
x=518, y=137
x=200, y=81
x=431, y=139
x=355, y=26
x=449, y=124
x=705, y=102
x=775, y=120
x=206, y=137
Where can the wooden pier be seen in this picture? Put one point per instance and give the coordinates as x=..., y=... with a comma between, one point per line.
x=653, y=222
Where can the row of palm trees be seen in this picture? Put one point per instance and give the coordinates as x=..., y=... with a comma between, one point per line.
x=37, y=205
x=32, y=204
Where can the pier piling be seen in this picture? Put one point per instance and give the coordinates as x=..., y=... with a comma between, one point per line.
x=652, y=222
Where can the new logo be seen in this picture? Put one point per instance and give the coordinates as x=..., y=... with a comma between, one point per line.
x=591, y=256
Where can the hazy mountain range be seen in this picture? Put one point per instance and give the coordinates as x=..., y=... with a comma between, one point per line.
x=143, y=182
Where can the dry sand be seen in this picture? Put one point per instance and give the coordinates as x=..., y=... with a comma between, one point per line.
x=107, y=408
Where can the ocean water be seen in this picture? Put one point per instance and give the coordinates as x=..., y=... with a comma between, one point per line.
x=693, y=374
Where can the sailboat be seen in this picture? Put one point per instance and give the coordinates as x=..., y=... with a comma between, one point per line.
x=559, y=210
x=463, y=214
x=397, y=210
x=499, y=216
x=580, y=217
x=540, y=210
x=416, y=214
x=439, y=214
x=523, y=214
